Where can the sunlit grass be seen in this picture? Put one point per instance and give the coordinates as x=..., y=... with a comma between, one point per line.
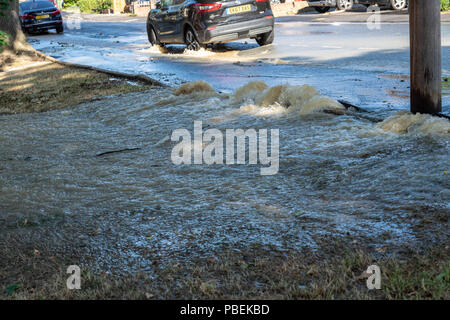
x=49, y=86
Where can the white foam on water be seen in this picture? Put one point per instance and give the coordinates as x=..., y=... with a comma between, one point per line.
x=200, y=53
x=298, y=100
x=404, y=122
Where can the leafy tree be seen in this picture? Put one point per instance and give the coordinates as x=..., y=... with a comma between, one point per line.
x=445, y=5
x=11, y=34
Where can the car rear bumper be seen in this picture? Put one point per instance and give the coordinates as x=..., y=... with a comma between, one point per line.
x=322, y=3
x=235, y=31
x=43, y=25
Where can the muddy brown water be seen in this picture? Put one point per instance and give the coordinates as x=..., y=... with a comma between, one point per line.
x=340, y=174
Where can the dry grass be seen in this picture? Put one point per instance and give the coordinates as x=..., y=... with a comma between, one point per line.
x=28, y=84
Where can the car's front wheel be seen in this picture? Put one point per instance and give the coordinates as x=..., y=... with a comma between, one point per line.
x=345, y=4
x=191, y=40
x=265, y=38
x=322, y=9
x=398, y=4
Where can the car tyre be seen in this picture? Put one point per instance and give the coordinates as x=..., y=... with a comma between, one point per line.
x=60, y=29
x=399, y=4
x=345, y=4
x=191, y=40
x=153, y=39
x=322, y=9
x=265, y=38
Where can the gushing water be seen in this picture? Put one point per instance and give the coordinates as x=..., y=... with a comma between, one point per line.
x=404, y=122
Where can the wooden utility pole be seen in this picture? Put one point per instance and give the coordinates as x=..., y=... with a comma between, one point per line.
x=425, y=41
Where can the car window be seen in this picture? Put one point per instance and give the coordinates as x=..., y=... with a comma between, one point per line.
x=166, y=3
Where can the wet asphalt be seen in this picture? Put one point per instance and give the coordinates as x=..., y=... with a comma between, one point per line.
x=339, y=53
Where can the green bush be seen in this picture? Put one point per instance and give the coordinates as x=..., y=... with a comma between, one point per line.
x=107, y=4
x=89, y=5
x=70, y=3
x=445, y=5
x=3, y=40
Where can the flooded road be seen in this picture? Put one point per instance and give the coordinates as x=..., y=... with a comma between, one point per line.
x=338, y=54
x=377, y=177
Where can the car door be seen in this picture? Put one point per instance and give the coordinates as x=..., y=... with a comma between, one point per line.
x=162, y=20
x=175, y=14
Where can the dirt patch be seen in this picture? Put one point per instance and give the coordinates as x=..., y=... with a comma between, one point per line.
x=445, y=86
x=31, y=84
x=403, y=77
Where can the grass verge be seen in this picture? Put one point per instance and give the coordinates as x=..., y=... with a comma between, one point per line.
x=253, y=273
x=29, y=84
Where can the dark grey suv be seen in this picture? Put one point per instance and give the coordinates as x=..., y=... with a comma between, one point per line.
x=199, y=22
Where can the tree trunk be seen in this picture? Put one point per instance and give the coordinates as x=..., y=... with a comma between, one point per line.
x=10, y=24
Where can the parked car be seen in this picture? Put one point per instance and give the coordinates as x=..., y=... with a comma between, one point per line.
x=394, y=4
x=39, y=16
x=199, y=22
x=323, y=6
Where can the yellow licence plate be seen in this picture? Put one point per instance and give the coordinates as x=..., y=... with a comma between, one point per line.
x=239, y=9
x=42, y=17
